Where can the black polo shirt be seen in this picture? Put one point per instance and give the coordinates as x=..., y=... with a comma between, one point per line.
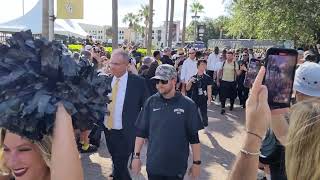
x=168, y=124
x=198, y=91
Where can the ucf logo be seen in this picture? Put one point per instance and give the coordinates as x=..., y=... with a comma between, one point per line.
x=178, y=111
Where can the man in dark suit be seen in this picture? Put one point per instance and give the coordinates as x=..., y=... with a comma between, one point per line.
x=128, y=95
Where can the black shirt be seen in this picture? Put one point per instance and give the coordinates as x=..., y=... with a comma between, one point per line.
x=166, y=60
x=168, y=124
x=242, y=76
x=198, y=91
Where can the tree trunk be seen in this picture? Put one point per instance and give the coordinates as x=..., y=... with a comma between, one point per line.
x=166, y=25
x=171, y=25
x=114, y=24
x=145, y=33
x=149, y=46
x=184, y=22
x=45, y=19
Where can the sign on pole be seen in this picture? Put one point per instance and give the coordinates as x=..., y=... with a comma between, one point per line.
x=70, y=9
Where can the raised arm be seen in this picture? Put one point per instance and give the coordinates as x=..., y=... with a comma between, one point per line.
x=65, y=160
x=258, y=116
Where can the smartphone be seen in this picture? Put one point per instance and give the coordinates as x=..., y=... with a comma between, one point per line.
x=253, y=69
x=280, y=69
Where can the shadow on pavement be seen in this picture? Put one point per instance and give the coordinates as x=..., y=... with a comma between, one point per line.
x=225, y=124
x=218, y=154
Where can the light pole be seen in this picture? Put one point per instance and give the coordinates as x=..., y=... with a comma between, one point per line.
x=195, y=18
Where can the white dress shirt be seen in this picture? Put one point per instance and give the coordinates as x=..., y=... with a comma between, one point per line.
x=212, y=60
x=189, y=69
x=118, y=107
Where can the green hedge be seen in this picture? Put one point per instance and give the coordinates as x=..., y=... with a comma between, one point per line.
x=77, y=48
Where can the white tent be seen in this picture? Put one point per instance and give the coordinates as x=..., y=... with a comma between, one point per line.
x=33, y=20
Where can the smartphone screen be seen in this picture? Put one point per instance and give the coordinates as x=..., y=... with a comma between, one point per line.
x=280, y=69
x=253, y=69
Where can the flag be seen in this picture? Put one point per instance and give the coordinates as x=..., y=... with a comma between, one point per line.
x=70, y=9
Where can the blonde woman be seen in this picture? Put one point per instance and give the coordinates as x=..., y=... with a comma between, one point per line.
x=303, y=141
x=52, y=158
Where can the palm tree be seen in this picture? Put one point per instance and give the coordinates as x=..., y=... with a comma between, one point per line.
x=133, y=21
x=150, y=27
x=184, y=22
x=171, y=24
x=196, y=7
x=144, y=13
x=114, y=24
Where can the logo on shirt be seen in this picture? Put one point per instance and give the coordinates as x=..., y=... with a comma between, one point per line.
x=178, y=111
x=156, y=109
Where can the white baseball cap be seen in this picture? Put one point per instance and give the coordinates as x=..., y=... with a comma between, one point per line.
x=307, y=79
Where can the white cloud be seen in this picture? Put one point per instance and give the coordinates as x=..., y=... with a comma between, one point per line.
x=100, y=11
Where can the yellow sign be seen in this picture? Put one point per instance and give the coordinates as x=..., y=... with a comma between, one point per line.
x=70, y=9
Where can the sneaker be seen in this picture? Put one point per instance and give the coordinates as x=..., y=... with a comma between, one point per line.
x=91, y=149
x=223, y=111
x=231, y=108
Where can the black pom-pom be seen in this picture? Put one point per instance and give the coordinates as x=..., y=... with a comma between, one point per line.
x=35, y=75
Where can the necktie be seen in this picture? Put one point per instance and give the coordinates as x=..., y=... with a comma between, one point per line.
x=112, y=104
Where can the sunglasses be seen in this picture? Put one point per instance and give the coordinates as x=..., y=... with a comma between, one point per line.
x=192, y=53
x=162, y=81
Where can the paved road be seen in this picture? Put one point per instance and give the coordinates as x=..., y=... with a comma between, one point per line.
x=218, y=148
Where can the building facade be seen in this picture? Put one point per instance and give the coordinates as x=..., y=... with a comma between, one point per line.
x=104, y=34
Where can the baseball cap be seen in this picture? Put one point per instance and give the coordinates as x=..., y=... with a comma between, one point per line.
x=165, y=72
x=147, y=60
x=307, y=79
x=88, y=48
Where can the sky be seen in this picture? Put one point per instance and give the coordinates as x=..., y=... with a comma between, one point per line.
x=99, y=12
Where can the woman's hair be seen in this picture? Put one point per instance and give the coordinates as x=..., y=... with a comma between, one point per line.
x=303, y=148
x=44, y=146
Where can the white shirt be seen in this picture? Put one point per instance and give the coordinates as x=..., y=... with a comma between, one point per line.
x=218, y=66
x=212, y=60
x=118, y=107
x=189, y=69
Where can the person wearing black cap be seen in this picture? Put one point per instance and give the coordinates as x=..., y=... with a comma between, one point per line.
x=170, y=122
x=199, y=87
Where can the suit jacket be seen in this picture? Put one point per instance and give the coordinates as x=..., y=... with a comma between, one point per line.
x=136, y=94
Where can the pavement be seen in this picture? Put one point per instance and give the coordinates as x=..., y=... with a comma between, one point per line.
x=219, y=148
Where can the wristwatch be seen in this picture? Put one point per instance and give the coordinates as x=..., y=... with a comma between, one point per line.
x=197, y=162
x=136, y=155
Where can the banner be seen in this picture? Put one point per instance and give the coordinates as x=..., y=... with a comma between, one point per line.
x=70, y=9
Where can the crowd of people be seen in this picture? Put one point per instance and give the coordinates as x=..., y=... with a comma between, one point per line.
x=162, y=101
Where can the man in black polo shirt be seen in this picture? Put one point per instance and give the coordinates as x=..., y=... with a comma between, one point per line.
x=170, y=122
x=199, y=89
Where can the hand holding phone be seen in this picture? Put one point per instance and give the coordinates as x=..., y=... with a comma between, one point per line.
x=280, y=70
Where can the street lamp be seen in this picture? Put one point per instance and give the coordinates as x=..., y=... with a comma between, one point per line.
x=195, y=18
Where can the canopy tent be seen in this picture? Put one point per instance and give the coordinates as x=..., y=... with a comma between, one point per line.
x=33, y=21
